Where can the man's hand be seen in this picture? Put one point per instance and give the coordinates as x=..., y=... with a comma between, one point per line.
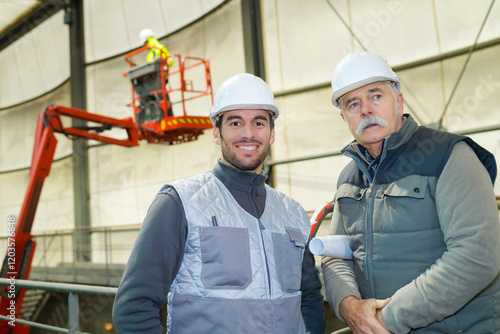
x=363, y=316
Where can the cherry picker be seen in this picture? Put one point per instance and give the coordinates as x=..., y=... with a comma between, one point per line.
x=153, y=120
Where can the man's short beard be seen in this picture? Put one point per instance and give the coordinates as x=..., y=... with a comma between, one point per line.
x=233, y=160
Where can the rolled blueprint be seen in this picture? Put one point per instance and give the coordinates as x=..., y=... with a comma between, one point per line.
x=331, y=245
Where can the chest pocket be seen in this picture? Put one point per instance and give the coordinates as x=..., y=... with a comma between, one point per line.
x=413, y=186
x=351, y=201
x=350, y=192
x=225, y=255
x=406, y=205
x=288, y=250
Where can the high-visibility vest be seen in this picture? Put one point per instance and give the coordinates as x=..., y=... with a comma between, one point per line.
x=156, y=49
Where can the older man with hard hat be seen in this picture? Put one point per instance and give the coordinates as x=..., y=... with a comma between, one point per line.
x=228, y=253
x=418, y=208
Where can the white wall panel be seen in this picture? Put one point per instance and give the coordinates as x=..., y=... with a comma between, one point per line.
x=12, y=191
x=459, y=23
x=108, y=91
x=113, y=26
x=17, y=133
x=424, y=92
x=55, y=209
x=305, y=40
x=312, y=182
x=301, y=42
x=308, y=127
x=380, y=26
x=36, y=63
x=475, y=103
x=124, y=181
x=11, y=89
x=13, y=141
x=18, y=128
x=177, y=13
x=52, y=40
x=218, y=38
x=106, y=28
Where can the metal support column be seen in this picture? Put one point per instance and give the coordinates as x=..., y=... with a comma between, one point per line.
x=252, y=37
x=74, y=18
x=254, y=53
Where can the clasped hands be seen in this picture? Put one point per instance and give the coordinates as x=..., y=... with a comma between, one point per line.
x=364, y=316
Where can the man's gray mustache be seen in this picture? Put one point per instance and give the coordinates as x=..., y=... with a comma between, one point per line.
x=369, y=121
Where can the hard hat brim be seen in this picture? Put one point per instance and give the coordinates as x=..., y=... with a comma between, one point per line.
x=349, y=88
x=214, y=115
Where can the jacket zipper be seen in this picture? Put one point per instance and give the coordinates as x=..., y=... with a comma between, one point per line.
x=261, y=228
x=368, y=220
x=369, y=239
x=369, y=223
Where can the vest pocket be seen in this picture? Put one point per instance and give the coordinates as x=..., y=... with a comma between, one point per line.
x=288, y=250
x=350, y=192
x=225, y=255
x=413, y=186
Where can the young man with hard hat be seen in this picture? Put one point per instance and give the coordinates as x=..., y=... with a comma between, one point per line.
x=418, y=208
x=228, y=253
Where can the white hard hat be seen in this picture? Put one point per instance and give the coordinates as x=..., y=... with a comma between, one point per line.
x=145, y=34
x=359, y=69
x=243, y=91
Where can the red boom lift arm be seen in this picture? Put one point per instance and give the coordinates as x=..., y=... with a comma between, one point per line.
x=162, y=127
x=21, y=244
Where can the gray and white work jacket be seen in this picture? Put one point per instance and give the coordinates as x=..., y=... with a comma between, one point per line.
x=239, y=274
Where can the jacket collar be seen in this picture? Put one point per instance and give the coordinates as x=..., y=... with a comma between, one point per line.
x=393, y=141
x=239, y=179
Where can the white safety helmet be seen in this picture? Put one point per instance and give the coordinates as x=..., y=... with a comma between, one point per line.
x=243, y=91
x=145, y=34
x=359, y=69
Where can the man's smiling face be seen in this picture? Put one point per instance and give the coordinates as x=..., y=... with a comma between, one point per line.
x=245, y=136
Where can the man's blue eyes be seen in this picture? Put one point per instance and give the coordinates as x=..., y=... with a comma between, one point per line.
x=356, y=104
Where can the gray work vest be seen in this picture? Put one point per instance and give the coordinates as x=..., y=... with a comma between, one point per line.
x=242, y=275
x=393, y=224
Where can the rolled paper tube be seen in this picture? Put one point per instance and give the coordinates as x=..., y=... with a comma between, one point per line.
x=331, y=245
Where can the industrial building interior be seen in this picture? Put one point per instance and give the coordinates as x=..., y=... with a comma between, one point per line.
x=73, y=53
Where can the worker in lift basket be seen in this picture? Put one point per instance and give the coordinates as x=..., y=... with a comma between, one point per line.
x=226, y=252
x=156, y=49
x=149, y=103
x=418, y=209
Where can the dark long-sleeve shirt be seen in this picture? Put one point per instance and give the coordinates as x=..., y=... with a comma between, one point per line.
x=159, y=249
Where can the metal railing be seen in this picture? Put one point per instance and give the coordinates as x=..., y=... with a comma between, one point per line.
x=73, y=305
x=56, y=254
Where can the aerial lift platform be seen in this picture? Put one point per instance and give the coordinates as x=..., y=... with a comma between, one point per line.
x=153, y=120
